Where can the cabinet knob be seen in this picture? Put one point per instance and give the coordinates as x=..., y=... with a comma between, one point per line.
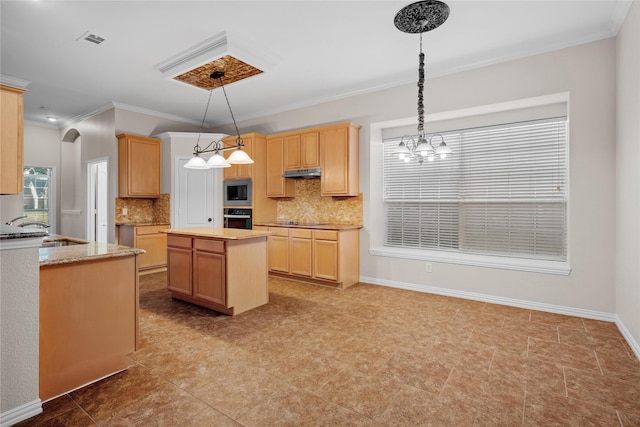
x=210, y=219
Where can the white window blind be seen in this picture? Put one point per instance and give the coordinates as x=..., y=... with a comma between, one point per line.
x=502, y=192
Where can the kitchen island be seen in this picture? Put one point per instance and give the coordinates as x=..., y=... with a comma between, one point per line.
x=88, y=312
x=223, y=269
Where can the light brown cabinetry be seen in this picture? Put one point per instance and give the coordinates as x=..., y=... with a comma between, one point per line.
x=149, y=238
x=277, y=186
x=328, y=257
x=139, y=160
x=301, y=151
x=11, y=140
x=209, y=271
x=300, y=250
x=339, y=151
x=279, y=250
x=214, y=273
x=240, y=171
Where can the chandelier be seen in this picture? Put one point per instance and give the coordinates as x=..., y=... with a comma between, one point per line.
x=421, y=17
x=217, y=147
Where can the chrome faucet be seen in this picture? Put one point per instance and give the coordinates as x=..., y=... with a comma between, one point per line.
x=10, y=222
x=36, y=223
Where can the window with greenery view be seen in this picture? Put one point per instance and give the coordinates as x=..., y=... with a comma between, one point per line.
x=36, y=195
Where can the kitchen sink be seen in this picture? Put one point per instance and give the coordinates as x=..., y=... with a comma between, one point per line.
x=61, y=242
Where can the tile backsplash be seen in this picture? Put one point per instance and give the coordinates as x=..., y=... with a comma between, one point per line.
x=143, y=211
x=309, y=206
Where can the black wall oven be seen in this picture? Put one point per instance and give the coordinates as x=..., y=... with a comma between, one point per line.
x=237, y=192
x=237, y=218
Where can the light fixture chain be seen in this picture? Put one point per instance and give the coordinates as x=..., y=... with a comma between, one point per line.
x=420, y=91
x=203, y=119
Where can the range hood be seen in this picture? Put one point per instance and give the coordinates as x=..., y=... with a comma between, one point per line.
x=302, y=173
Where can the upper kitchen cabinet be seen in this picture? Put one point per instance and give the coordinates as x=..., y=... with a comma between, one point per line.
x=241, y=171
x=139, y=166
x=277, y=186
x=339, y=159
x=11, y=140
x=301, y=151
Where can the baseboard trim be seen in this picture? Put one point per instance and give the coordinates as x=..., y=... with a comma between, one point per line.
x=532, y=305
x=20, y=413
x=551, y=308
x=635, y=346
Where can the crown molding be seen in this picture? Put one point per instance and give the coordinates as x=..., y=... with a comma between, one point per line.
x=14, y=81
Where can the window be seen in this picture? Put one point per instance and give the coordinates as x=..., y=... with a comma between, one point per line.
x=37, y=195
x=502, y=193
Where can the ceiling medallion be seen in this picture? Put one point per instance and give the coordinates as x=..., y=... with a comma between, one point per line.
x=421, y=16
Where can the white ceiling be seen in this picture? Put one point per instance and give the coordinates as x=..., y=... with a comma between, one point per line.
x=313, y=51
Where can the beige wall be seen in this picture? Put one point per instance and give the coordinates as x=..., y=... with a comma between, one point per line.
x=587, y=72
x=628, y=175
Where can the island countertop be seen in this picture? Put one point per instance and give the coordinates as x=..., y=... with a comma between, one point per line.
x=218, y=233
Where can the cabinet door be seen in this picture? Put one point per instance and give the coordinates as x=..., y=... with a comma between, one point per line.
x=279, y=254
x=240, y=171
x=138, y=166
x=325, y=259
x=292, y=152
x=11, y=140
x=339, y=161
x=300, y=259
x=277, y=186
x=179, y=270
x=309, y=150
x=209, y=277
x=155, y=246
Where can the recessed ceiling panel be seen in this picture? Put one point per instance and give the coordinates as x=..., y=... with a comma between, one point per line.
x=234, y=70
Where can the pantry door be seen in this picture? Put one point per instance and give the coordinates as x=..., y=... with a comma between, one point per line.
x=198, y=196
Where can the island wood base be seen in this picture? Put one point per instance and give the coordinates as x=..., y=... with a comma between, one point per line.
x=217, y=270
x=88, y=322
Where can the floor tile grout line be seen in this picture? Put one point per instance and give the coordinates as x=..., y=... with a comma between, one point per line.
x=564, y=378
x=619, y=418
x=524, y=404
x=598, y=362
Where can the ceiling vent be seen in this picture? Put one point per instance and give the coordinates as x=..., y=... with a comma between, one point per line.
x=91, y=38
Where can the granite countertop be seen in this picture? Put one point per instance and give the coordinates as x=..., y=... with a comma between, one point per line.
x=313, y=226
x=13, y=232
x=81, y=251
x=218, y=233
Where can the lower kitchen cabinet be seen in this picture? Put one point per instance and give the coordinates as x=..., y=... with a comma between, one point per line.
x=301, y=261
x=279, y=250
x=228, y=276
x=209, y=271
x=328, y=257
x=149, y=238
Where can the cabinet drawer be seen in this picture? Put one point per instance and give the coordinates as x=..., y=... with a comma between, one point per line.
x=150, y=229
x=325, y=234
x=300, y=233
x=279, y=231
x=179, y=241
x=209, y=245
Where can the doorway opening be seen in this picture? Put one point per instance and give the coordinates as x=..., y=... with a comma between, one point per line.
x=97, y=199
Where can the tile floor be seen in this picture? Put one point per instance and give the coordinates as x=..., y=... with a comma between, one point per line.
x=366, y=356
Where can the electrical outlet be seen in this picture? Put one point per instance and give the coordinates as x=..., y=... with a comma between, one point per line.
x=429, y=267
x=124, y=211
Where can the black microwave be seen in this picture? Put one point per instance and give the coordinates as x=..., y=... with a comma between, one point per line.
x=237, y=192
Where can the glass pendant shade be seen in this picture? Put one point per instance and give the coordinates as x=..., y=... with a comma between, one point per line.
x=196, y=162
x=239, y=157
x=217, y=161
x=402, y=151
x=443, y=150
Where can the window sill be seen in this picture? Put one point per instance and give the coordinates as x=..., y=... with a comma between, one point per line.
x=518, y=264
